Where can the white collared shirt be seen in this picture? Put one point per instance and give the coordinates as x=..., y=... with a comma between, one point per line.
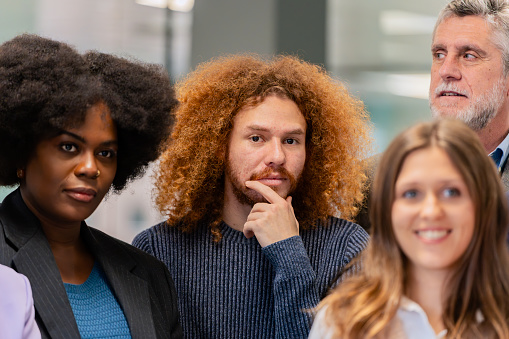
x=410, y=322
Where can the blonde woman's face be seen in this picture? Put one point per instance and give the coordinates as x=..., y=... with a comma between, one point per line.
x=433, y=213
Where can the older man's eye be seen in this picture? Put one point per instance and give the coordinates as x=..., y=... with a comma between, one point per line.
x=470, y=56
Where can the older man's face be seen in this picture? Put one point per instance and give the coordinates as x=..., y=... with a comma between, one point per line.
x=467, y=74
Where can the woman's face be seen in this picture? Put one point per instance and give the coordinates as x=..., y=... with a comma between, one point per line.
x=433, y=214
x=68, y=175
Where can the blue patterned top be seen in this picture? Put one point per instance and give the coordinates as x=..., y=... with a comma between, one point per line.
x=96, y=310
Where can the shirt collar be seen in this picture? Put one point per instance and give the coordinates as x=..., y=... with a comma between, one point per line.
x=408, y=305
x=504, y=146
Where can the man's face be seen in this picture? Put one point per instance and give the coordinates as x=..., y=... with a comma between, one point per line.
x=467, y=79
x=267, y=144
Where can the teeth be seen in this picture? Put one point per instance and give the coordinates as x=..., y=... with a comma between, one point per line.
x=451, y=94
x=432, y=234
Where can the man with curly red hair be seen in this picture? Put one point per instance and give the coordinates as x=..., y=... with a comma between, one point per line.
x=264, y=157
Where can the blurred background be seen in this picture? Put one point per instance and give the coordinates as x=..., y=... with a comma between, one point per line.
x=379, y=49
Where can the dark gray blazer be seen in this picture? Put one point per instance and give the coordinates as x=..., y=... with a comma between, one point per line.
x=141, y=283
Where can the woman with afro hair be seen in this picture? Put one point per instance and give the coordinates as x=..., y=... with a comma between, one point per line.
x=72, y=127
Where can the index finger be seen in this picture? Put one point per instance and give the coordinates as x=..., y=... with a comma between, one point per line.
x=268, y=193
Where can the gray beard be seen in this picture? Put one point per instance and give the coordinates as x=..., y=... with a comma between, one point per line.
x=479, y=113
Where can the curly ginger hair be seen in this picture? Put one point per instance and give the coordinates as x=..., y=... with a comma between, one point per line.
x=190, y=179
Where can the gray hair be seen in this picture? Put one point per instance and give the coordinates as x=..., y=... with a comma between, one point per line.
x=494, y=12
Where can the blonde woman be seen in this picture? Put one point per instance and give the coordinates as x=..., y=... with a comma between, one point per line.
x=437, y=264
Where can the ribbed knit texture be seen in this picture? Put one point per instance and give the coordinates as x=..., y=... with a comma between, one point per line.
x=236, y=289
x=97, y=311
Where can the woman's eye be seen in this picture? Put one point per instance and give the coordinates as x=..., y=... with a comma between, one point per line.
x=68, y=147
x=409, y=194
x=451, y=192
x=107, y=153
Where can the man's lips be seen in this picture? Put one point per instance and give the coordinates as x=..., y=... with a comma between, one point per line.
x=81, y=194
x=451, y=94
x=272, y=180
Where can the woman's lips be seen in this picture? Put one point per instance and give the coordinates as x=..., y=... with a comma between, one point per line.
x=433, y=235
x=81, y=194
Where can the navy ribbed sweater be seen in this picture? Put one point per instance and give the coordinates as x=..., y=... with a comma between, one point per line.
x=236, y=289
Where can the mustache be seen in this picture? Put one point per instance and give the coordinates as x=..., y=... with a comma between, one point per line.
x=449, y=87
x=267, y=172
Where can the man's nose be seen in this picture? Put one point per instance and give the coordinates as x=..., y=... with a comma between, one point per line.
x=449, y=69
x=275, y=153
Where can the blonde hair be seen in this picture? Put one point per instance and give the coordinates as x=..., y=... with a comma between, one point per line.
x=363, y=306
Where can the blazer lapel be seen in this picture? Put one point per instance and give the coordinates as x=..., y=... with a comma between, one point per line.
x=130, y=290
x=35, y=260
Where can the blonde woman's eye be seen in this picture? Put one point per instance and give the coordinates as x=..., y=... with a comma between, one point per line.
x=410, y=194
x=451, y=192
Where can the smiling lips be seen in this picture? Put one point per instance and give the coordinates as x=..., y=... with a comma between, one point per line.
x=81, y=194
x=432, y=235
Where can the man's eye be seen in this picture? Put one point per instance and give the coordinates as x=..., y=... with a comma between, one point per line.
x=255, y=138
x=68, y=147
x=470, y=56
x=439, y=55
x=290, y=141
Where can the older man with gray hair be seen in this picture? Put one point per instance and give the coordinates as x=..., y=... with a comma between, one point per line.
x=469, y=77
x=470, y=69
